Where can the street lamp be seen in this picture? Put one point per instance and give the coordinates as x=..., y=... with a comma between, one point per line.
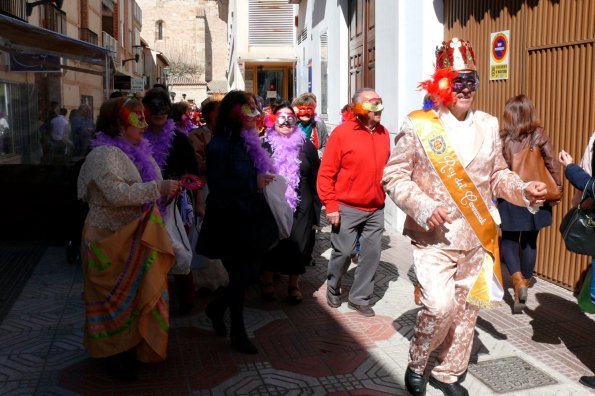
x=136, y=56
x=173, y=95
x=184, y=96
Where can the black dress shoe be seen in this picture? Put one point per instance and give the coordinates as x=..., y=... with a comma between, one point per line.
x=217, y=320
x=588, y=381
x=454, y=389
x=333, y=300
x=415, y=383
x=365, y=310
x=241, y=343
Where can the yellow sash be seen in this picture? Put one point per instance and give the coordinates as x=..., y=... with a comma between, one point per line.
x=487, y=289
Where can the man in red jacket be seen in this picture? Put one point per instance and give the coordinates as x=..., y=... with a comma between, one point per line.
x=350, y=187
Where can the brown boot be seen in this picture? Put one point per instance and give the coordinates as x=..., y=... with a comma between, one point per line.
x=417, y=294
x=520, y=292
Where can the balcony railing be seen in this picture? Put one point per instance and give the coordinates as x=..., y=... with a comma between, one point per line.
x=14, y=8
x=86, y=34
x=53, y=19
x=110, y=43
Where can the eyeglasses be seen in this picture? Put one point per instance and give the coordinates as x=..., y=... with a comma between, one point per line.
x=285, y=118
x=465, y=80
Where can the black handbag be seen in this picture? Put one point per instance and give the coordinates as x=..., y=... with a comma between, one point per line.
x=578, y=227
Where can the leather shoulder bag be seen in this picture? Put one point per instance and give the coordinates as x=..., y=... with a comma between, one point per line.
x=530, y=166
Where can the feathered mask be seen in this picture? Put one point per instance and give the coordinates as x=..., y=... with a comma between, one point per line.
x=439, y=87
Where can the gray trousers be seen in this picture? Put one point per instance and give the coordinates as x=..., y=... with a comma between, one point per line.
x=343, y=238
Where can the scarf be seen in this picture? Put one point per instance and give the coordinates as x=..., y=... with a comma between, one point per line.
x=286, y=157
x=161, y=142
x=139, y=154
x=259, y=156
x=307, y=129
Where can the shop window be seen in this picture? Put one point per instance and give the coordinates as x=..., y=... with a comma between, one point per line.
x=19, y=128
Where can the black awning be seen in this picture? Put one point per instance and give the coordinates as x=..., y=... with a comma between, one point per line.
x=20, y=36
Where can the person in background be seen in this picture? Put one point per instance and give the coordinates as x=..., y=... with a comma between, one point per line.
x=126, y=320
x=520, y=228
x=445, y=168
x=82, y=130
x=309, y=122
x=296, y=159
x=238, y=170
x=174, y=154
x=583, y=181
x=60, y=142
x=201, y=136
x=181, y=113
x=350, y=186
x=4, y=134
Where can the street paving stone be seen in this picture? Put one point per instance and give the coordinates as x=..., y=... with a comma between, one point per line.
x=308, y=349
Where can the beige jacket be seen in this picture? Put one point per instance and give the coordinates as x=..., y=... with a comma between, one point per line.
x=111, y=184
x=410, y=180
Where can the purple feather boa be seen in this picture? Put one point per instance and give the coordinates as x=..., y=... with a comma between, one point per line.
x=259, y=156
x=161, y=142
x=286, y=158
x=139, y=154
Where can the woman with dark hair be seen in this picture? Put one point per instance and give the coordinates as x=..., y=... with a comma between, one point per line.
x=126, y=250
x=521, y=128
x=238, y=170
x=296, y=159
x=583, y=181
x=174, y=154
x=181, y=113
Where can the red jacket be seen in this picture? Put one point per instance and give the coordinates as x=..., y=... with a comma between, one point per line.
x=352, y=166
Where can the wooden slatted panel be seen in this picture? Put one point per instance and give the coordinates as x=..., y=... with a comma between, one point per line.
x=562, y=85
x=552, y=61
x=271, y=23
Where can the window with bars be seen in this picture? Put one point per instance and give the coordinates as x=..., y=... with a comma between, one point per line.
x=271, y=23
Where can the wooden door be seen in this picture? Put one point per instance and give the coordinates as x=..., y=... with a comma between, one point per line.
x=362, y=46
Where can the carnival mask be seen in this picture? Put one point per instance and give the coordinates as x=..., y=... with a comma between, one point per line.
x=371, y=105
x=464, y=80
x=307, y=110
x=250, y=112
x=284, y=118
x=158, y=106
x=137, y=120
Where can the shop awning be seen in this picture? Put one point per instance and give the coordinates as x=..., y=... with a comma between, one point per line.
x=19, y=36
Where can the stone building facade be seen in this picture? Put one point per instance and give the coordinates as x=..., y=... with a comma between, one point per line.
x=191, y=31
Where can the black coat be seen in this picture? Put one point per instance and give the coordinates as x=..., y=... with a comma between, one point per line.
x=181, y=160
x=291, y=255
x=234, y=201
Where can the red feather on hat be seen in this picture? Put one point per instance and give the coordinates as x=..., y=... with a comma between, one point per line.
x=439, y=87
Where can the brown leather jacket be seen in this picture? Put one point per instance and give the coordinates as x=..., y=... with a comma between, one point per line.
x=512, y=145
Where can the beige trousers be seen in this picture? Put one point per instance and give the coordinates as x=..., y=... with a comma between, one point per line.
x=446, y=319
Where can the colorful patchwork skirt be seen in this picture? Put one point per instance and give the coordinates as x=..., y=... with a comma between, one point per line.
x=126, y=296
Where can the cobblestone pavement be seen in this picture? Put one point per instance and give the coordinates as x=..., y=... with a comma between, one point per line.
x=309, y=349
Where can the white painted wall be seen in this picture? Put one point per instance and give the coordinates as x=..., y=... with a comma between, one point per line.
x=325, y=16
x=407, y=33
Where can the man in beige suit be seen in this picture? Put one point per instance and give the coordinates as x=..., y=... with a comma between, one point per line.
x=444, y=171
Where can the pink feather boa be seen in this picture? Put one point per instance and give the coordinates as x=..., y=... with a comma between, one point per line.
x=286, y=158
